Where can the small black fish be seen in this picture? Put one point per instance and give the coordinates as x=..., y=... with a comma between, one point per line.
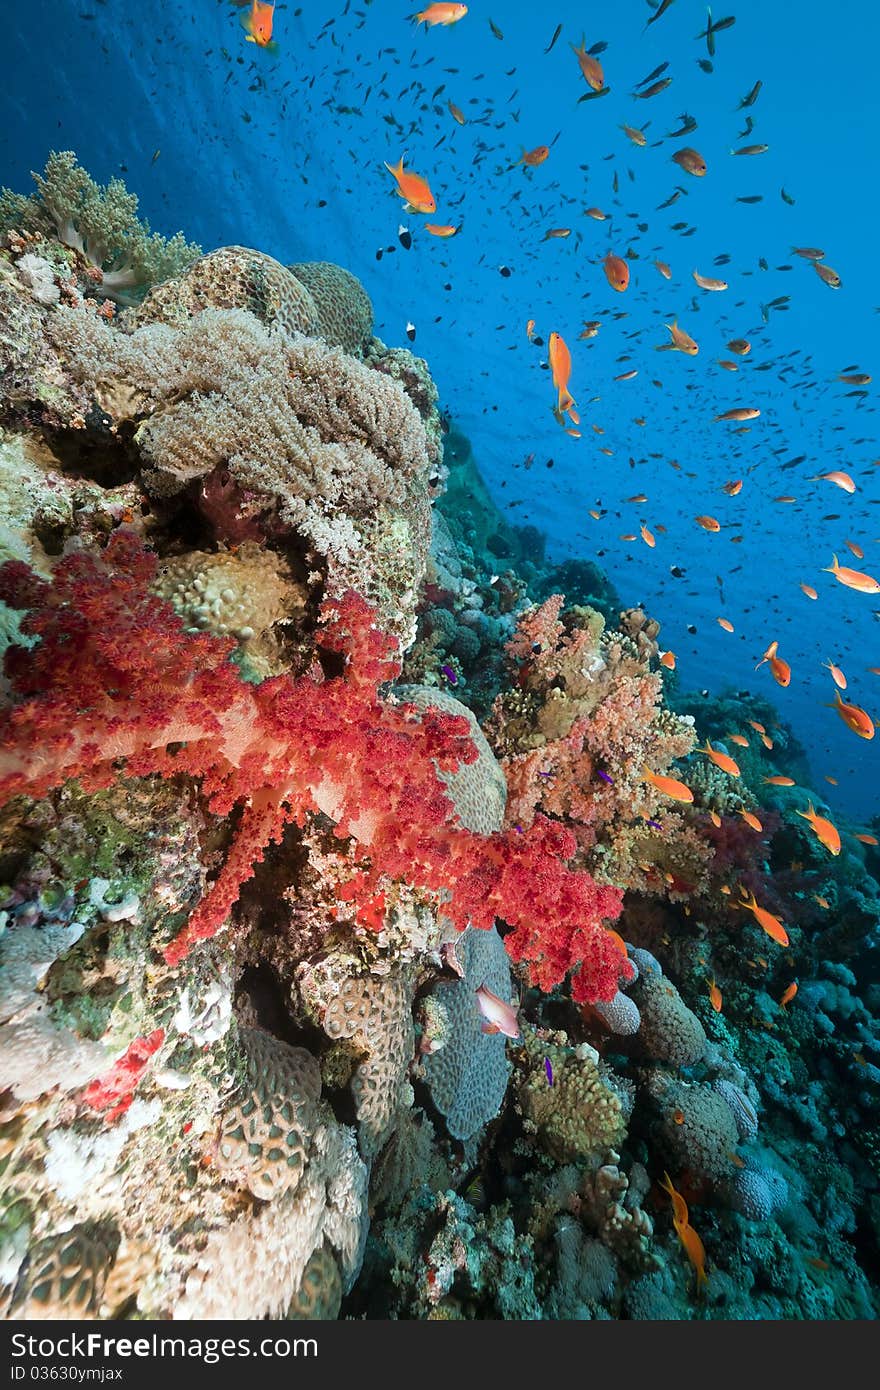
x=556, y=33
x=751, y=97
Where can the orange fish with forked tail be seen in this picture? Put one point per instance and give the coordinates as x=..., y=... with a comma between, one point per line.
x=560, y=368
x=257, y=23
x=781, y=669
x=853, y=579
x=676, y=791
x=722, y=760
x=690, y=1241
x=532, y=158
x=770, y=924
x=589, y=66
x=412, y=188
x=856, y=719
x=616, y=272
x=441, y=14
x=826, y=833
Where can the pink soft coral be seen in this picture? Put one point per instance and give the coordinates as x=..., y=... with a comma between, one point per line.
x=115, y=686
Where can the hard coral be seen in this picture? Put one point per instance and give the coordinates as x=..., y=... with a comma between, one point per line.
x=234, y=277
x=467, y=1076
x=344, y=311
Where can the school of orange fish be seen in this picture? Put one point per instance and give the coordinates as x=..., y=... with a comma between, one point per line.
x=591, y=77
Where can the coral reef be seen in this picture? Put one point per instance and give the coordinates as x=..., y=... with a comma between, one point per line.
x=351, y=938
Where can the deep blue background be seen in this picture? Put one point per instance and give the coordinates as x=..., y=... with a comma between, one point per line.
x=255, y=149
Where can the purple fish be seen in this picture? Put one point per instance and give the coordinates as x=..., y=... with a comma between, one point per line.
x=605, y=777
x=655, y=824
x=549, y=1070
x=450, y=675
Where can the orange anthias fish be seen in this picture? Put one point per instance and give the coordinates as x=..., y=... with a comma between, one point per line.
x=750, y=819
x=837, y=676
x=589, y=66
x=690, y=1241
x=693, y=1247
x=679, y=1205
x=257, y=24
x=722, y=760
x=825, y=832
x=715, y=998
x=842, y=480
x=498, y=1017
x=676, y=791
x=867, y=839
x=441, y=14
x=412, y=188
x=853, y=579
x=616, y=272
x=771, y=925
x=779, y=781
x=440, y=231
x=781, y=669
x=853, y=717
x=788, y=994
x=560, y=367
x=534, y=157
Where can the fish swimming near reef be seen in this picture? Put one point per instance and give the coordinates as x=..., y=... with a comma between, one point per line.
x=498, y=1017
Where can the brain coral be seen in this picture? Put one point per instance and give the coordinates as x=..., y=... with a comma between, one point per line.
x=344, y=310
x=64, y=1275
x=319, y=1295
x=374, y=1014
x=668, y=1032
x=266, y=1131
x=467, y=1077
x=234, y=277
x=478, y=789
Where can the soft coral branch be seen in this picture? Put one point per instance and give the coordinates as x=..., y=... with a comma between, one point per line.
x=116, y=686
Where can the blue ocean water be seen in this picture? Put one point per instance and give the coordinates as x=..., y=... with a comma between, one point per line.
x=286, y=151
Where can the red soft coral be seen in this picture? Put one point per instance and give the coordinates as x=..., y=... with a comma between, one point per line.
x=116, y=686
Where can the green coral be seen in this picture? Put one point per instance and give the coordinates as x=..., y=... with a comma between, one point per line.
x=101, y=223
x=577, y=1116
